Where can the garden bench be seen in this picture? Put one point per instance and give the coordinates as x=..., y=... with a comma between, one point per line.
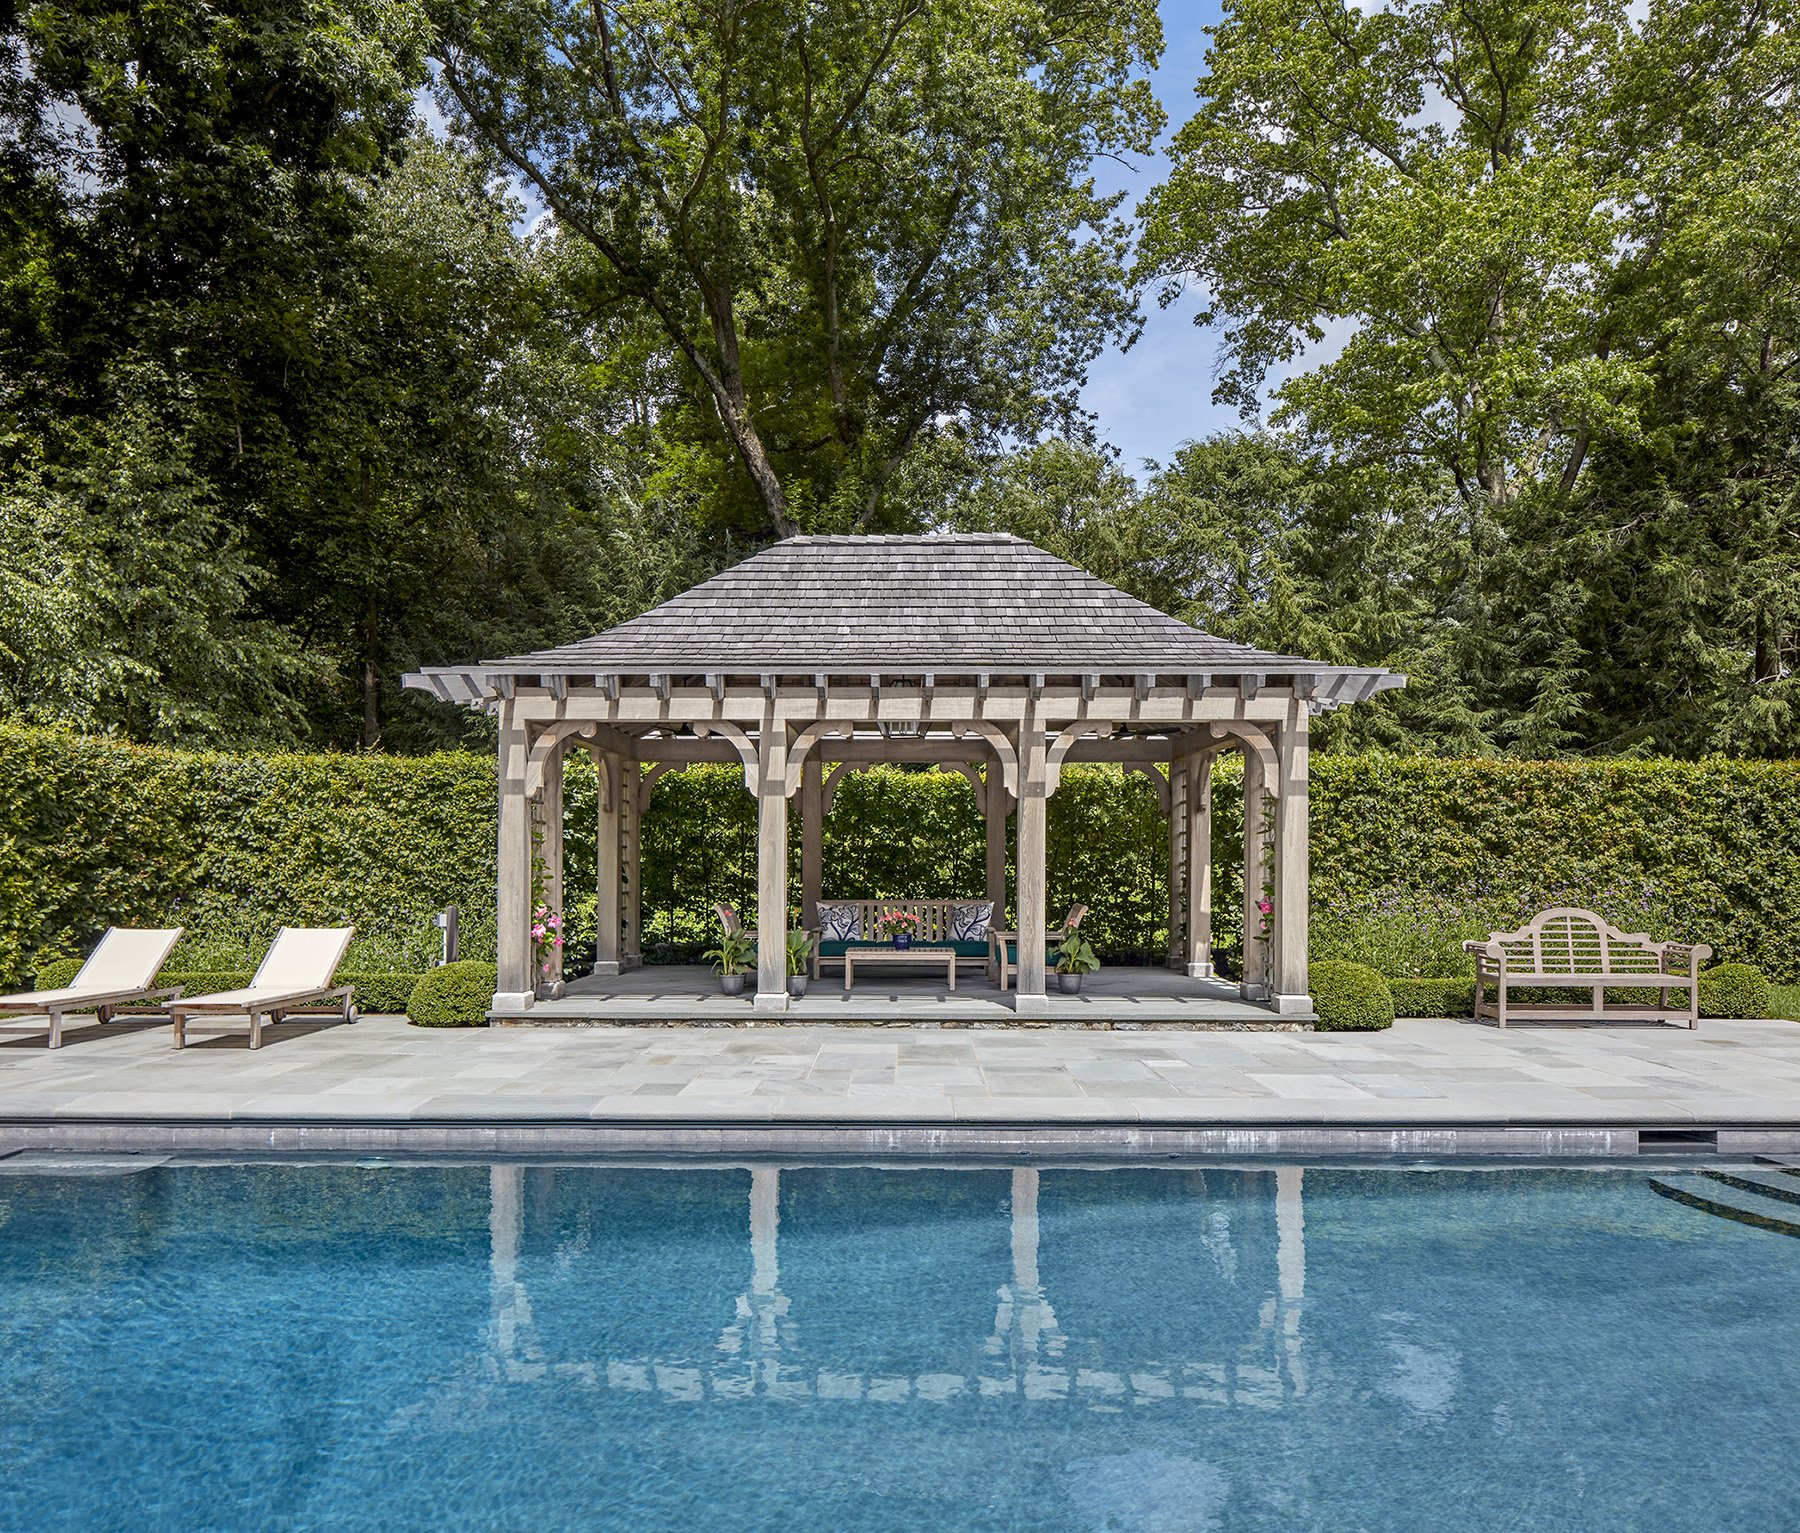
x=958, y=925
x=1576, y=949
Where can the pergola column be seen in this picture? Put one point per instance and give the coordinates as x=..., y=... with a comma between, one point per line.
x=512, y=931
x=771, y=868
x=995, y=802
x=1030, y=997
x=631, y=862
x=609, y=768
x=1199, y=865
x=1255, y=981
x=1288, y=980
x=547, y=809
x=812, y=838
x=1176, y=954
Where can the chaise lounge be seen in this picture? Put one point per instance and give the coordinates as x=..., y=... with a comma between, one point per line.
x=121, y=972
x=295, y=975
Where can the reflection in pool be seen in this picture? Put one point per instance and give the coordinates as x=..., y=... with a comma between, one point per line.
x=814, y=1348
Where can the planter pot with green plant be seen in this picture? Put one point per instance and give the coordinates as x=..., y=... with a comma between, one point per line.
x=733, y=958
x=1073, y=959
x=799, y=959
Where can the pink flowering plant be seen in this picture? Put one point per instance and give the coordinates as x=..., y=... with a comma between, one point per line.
x=899, y=920
x=547, y=935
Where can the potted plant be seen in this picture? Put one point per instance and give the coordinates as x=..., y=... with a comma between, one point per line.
x=1073, y=959
x=799, y=959
x=733, y=958
x=899, y=924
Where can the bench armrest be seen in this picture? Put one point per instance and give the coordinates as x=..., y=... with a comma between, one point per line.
x=1693, y=954
x=1491, y=950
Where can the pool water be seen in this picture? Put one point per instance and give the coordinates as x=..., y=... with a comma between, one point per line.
x=817, y=1349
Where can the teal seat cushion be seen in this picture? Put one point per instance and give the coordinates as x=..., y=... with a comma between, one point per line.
x=830, y=949
x=970, y=949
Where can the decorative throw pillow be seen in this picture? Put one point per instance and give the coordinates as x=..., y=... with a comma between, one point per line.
x=837, y=923
x=969, y=922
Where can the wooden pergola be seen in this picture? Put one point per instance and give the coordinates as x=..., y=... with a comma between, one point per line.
x=978, y=653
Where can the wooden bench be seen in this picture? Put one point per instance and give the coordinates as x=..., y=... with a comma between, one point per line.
x=934, y=929
x=1576, y=949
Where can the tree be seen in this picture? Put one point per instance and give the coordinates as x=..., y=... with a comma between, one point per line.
x=852, y=221
x=1532, y=219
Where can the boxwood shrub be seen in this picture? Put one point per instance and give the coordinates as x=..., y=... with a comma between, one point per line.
x=454, y=995
x=1350, y=997
x=57, y=973
x=1734, y=990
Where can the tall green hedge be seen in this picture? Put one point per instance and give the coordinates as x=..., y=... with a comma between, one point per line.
x=93, y=833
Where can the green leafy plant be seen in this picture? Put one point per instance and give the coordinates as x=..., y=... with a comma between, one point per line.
x=1350, y=997
x=57, y=973
x=735, y=954
x=1425, y=997
x=799, y=953
x=1734, y=990
x=454, y=995
x=1075, y=956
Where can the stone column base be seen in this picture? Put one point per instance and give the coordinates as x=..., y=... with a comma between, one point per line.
x=509, y=1000
x=1200, y=971
x=1031, y=1005
x=770, y=1002
x=1292, y=1005
x=607, y=968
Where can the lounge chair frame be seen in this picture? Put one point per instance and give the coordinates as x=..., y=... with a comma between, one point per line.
x=263, y=1007
x=105, y=1002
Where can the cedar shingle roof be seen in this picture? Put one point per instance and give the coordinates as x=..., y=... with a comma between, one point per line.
x=953, y=605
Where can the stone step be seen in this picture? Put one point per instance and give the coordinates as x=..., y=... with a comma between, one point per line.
x=1711, y=1194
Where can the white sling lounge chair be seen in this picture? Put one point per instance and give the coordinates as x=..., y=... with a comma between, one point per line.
x=121, y=972
x=295, y=975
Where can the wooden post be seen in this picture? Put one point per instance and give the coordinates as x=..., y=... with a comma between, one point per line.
x=771, y=868
x=512, y=913
x=995, y=804
x=1199, y=866
x=1254, y=985
x=609, y=769
x=1176, y=954
x=812, y=838
x=631, y=863
x=1029, y=997
x=548, y=966
x=1288, y=981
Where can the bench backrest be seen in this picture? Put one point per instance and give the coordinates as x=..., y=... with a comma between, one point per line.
x=1566, y=941
x=935, y=917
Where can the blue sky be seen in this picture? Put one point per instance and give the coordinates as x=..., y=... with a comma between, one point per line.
x=1156, y=396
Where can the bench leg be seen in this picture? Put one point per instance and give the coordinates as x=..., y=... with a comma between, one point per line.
x=1500, y=1002
x=953, y=971
x=255, y=1030
x=54, y=1041
x=180, y=1024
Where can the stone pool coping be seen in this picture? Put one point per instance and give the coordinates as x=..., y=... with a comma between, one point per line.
x=1427, y=1087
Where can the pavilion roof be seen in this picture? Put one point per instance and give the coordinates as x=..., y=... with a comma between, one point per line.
x=974, y=603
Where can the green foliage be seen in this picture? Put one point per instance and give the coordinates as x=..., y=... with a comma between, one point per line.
x=849, y=222
x=453, y=995
x=1784, y=1002
x=1432, y=997
x=1075, y=956
x=799, y=952
x=1734, y=990
x=1350, y=997
x=388, y=994
x=57, y=973
x=736, y=954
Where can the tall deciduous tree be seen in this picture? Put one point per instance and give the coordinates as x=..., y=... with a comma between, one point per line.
x=852, y=220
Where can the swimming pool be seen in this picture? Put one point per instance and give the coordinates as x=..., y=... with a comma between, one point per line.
x=341, y=1346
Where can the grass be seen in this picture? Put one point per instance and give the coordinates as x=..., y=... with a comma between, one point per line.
x=1784, y=1001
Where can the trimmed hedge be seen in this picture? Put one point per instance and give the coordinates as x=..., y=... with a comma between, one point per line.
x=1432, y=997
x=1408, y=854
x=1734, y=990
x=453, y=995
x=1350, y=997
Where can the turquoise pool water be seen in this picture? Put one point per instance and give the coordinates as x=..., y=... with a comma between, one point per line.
x=820, y=1349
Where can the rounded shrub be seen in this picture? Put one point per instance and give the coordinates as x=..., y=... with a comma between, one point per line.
x=57, y=973
x=1734, y=990
x=1350, y=996
x=456, y=995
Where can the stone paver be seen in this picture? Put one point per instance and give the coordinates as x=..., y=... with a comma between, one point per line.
x=1420, y=1072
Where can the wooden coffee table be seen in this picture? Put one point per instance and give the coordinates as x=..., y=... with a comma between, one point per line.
x=910, y=957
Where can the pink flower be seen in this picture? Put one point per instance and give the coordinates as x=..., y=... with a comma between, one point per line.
x=538, y=931
x=1266, y=906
